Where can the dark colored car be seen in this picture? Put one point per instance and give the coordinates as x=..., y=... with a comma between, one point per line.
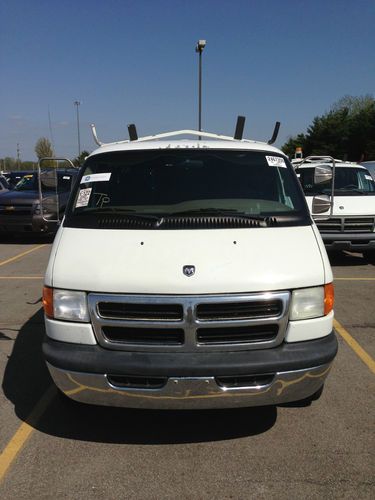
x=20, y=209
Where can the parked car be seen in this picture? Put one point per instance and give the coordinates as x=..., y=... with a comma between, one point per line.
x=188, y=274
x=20, y=209
x=370, y=165
x=350, y=223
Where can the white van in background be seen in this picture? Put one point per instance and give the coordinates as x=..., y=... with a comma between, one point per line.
x=346, y=217
x=188, y=274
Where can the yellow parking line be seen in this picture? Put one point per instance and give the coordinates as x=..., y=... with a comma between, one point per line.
x=24, y=431
x=21, y=277
x=20, y=255
x=366, y=358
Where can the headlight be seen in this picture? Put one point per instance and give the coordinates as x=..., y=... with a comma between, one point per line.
x=311, y=302
x=67, y=305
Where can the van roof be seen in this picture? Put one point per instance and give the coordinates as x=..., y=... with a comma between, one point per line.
x=185, y=144
x=339, y=164
x=168, y=140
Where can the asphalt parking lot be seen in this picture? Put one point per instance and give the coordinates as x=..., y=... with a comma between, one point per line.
x=53, y=448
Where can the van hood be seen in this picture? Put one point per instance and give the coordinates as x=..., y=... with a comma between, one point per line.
x=350, y=205
x=151, y=262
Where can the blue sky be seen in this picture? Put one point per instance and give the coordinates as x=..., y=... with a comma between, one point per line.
x=134, y=61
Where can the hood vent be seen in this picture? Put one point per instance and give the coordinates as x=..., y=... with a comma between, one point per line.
x=203, y=222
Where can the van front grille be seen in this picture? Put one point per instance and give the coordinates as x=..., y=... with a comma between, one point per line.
x=146, y=312
x=346, y=225
x=237, y=334
x=143, y=336
x=239, y=310
x=189, y=323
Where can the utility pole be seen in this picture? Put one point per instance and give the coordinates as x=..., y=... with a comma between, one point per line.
x=199, y=49
x=18, y=157
x=77, y=104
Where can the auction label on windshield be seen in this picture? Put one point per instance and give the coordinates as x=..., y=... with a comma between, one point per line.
x=96, y=178
x=276, y=161
x=83, y=197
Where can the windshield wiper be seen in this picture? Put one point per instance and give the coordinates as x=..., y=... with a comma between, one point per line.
x=131, y=214
x=218, y=212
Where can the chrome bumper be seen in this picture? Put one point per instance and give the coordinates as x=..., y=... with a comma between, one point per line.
x=190, y=392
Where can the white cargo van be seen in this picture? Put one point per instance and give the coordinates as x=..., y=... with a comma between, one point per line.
x=188, y=274
x=347, y=221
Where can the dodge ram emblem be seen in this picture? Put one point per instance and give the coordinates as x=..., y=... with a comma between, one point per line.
x=188, y=270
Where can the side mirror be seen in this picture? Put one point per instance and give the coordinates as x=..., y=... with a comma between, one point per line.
x=322, y=174
x=321, y=203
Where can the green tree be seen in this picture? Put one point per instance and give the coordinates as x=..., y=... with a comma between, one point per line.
x=79, y=160
x=9, y=164
x=43, y=148
x=347, y=131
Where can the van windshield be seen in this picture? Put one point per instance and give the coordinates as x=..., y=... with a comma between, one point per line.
x=188, y=182
x=349, y=181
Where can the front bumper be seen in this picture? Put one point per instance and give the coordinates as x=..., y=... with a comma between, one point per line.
x=26, y=224
x=289, y=372
x=355, y=242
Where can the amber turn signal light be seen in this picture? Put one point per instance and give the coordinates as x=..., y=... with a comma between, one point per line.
x=329, y=298
x=48, y=301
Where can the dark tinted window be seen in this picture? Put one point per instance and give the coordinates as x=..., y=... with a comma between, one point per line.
x=348, y=181
x=169, y=181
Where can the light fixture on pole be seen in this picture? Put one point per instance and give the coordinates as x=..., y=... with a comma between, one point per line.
x=77, y=104
x=199, y=48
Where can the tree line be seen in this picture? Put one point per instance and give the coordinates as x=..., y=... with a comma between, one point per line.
x=346, y=131
x=43, y=149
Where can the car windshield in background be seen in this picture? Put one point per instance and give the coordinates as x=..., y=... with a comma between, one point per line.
x=188, y=182
x=30, y=182
x=370, y=165
x=27, y=183
x=348, y=182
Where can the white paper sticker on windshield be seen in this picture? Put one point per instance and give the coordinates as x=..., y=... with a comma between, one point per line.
x=368, y=177
x=96, y=178
x=276, y=161
x=83, y=197
x=298, y=175
x=66, y=177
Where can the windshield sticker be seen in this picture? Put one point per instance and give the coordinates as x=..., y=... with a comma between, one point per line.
x=368, y=177
x=66, y=177
x=83, y=197
x=276, y=161
x=96, y=178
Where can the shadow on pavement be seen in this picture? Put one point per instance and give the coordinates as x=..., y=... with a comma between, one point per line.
x=26, y=379
x=347, y=259
x=25, y=239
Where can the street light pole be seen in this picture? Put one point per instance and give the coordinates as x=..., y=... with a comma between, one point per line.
x=199, y=48
x=77, y=104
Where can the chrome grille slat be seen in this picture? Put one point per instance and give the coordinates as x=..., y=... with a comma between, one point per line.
x=266, y=319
